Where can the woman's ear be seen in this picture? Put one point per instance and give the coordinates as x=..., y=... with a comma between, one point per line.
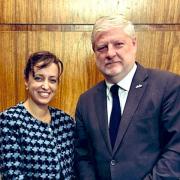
x=26, y=83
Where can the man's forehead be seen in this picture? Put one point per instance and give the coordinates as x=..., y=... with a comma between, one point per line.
x=111, y=34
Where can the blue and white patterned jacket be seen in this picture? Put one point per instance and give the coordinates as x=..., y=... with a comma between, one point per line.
x=31, y=149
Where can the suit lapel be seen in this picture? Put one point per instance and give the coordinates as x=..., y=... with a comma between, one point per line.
x=101, y=111
x=136, y=92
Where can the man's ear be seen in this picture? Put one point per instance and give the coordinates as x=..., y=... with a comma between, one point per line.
x=134, y=41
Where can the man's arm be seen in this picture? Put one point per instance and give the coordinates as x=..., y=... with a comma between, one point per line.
x=84, y=157
x=168, y=165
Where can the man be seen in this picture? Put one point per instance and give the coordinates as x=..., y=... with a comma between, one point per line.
x=147, y=142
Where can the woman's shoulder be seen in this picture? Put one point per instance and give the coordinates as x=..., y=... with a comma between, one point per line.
x=12, y=109
x=11, y=114
x=61, y=114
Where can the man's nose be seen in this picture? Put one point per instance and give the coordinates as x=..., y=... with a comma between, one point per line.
x=111, y=51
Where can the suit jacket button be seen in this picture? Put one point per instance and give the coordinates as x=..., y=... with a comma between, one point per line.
x=113, y=162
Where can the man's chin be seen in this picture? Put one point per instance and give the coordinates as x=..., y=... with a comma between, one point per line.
x=113, y=72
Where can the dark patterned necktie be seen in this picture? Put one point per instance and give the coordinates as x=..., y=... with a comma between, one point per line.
x=115, y=114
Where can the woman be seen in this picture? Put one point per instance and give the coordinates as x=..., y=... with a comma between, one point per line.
x=37, y=141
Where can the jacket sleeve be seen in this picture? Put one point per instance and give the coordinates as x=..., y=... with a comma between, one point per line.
x=84, y=159
x=10, y=150
x=168, y=165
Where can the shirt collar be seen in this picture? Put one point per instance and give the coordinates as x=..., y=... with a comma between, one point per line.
x=125, y=83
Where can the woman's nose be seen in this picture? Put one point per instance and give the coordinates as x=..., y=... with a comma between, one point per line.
x=45, y=85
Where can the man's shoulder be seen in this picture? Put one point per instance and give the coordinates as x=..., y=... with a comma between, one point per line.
x=97, y=87
x=162, y=75
x=157, y=74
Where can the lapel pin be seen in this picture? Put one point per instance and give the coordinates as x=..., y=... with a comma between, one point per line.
x=139, y=86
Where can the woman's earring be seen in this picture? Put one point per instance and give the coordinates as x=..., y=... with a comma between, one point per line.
x=27, y=88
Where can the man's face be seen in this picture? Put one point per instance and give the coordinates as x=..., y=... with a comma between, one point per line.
x=115, y=53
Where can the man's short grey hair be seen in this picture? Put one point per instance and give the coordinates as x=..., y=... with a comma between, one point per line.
x=108, y=22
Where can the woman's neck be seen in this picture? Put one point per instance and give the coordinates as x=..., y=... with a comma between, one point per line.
x=40, y=112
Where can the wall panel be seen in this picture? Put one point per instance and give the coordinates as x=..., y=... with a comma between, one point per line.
x=7, y=70
x=64, y=28
x=85, y=12
x=157, y=49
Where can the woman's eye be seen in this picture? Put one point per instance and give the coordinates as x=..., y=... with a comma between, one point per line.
x=37, y=78
x=53, y=81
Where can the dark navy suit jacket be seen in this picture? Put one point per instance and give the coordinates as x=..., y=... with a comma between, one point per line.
x=148, y=141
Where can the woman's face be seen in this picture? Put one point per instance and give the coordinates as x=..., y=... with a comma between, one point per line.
x=43, y=85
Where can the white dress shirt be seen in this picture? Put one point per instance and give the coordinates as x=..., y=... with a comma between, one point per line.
x=124, y=85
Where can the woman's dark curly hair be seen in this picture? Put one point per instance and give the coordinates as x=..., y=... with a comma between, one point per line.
x=42, y=56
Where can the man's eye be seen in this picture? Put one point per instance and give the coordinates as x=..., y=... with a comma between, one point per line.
x=119, y=44
x=102, y=48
